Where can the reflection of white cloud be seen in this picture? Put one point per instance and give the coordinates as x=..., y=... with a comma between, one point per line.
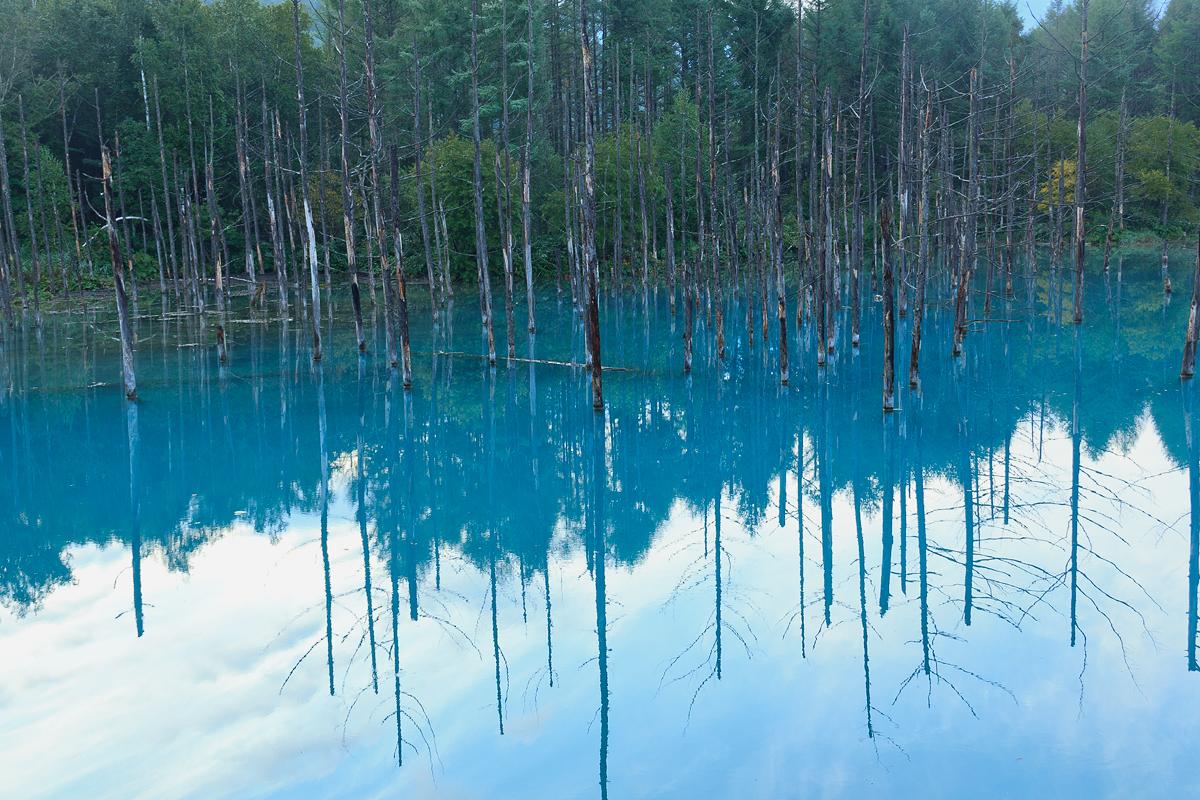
x=194, y=708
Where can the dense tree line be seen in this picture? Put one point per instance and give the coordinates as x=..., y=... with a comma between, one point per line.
x=701, y=145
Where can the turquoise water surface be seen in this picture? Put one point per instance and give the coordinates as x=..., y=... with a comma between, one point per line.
x=275, y=579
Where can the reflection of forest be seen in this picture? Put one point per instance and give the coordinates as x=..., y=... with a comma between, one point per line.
x=486, y=464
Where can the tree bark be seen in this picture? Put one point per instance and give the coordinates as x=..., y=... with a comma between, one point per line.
x=127, y=368
x=588, y=205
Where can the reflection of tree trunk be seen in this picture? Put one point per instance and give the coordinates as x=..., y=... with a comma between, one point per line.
x=361, y=515
x=600, y=547
x=825, y=489
x=394, y=576
x=889, y=480
x=717, y=575
x=135, y=509
x=965, y=474
x=323, y=493
x=1193, y=444
x=493, y=542
x=800, y=534
x=922, y=547
x=1076, y=440
x=862, y=603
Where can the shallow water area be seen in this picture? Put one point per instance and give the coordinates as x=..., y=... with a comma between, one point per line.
x=280, y=579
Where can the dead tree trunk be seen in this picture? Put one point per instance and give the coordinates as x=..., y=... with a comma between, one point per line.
x=309, y=239
x=422, y=214
x=1081, y=162
x=33, y=242
x=889, y=311
x=10, y=227
x=347, y=189
x=967, y=237
x=588, y=204
x=856, y=245
x=127, y=372
x=481, y=258
x=1116, y=218
x=503, y=196
x=918, y=312
x=401, y=287
x=1166, y=274
x=1193, y=329
x=526, y=159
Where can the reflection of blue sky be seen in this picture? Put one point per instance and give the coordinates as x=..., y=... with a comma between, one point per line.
x=195, y=709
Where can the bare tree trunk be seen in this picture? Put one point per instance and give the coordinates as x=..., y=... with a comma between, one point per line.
x=422, y=214
x=33, y=243
x=526, y=167
x=248, y=231
x=1117, y=217
x=889, y=312
x=776, y=224
x=856, y=246
x=1010, y=192
x=9, y=222
x=503, y=196
x=277, y=255
x=401, y=287
x=162, y=161
x=347, y=189
x=1193, y=328
x=712, y=200
x=903, y=178
x=71, y=196
x=1081, y=163
x=127, y=371
x=801, y=238
x=670, y=191
x=375, y=212
x=918, y=314
x=588, y=206
x=825, y=323
x=967, y=237
x=1166, y=275
x=481, y=259
x=310, y=238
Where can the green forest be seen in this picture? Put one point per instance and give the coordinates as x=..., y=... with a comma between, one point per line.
x=706, y=119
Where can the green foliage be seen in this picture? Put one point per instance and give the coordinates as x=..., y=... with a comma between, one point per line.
x=192, y=60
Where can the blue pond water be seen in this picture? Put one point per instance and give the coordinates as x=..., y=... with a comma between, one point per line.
x=275, y=580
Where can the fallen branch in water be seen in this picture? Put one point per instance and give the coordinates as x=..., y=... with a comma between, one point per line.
x=526, y=360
